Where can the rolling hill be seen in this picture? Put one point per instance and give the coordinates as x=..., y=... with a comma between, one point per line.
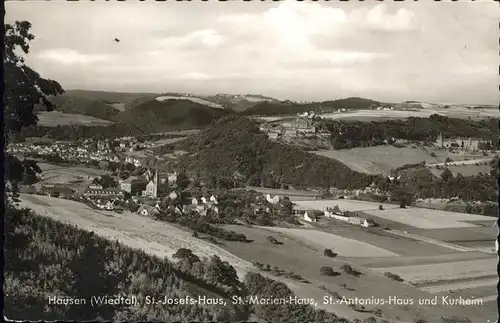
x=155, y=116
x=235, y=145
x=107, y=96
x=287, y=107
x=78, y=105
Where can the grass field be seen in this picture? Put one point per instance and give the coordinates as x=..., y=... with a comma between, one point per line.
x=346, y=247
x=297, y=255
x=76, y=177
x=427, y=218
x=437, y=272
x=382, y=159
x=54, y=118
x=168, y=141
x=455, y=112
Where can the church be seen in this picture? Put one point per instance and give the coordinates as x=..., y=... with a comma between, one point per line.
x=153, y=186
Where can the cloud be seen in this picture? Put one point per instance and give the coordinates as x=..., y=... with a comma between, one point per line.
x=290, y=49
x=378, y=17
x=68, y=56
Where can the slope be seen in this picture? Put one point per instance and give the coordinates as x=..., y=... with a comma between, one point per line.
x=234, y=145
x=168, y=115
x=77, y=105
x=287, y=107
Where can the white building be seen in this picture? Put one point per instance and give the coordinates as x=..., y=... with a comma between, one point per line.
x=309, y=218
x=368, y=223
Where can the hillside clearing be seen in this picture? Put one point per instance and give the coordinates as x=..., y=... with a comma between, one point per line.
x=55, y=118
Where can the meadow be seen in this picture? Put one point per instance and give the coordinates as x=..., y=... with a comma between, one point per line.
x=55, y=118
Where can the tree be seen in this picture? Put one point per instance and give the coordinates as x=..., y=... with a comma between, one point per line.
x=182, y=181
x=24, y=90
x=329, y=253
x=446, y=175
x=328, y=271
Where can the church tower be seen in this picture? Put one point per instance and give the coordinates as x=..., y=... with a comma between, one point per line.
x=440, y=140
x=156, y=183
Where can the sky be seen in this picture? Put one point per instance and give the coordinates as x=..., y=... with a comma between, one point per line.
x=439, y=52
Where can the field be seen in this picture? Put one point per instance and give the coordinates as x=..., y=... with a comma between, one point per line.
x=343, y=246
x=77, y=177
x=193, y=99
x=441, y=272
x=375, y=115
x=157, y=238
x=382, y=159
x=54, y=118
x=427, y=218
x=119, y=106
x=455, y=112
x=168, y=141
x=53, y=174
x=299, y=253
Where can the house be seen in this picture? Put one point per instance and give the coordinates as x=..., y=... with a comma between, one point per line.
x=330, y=212
x=203, y=200
x=273, y=200
x=103, y=193
x=133, y=185
x=355, y=220
x=194, y=201
x=147, y=210
x=172, y=177
x=309, y=217
x=201, y=209
x=369, y=223
x=172, y=195
x=213, y=199
x=109, y=206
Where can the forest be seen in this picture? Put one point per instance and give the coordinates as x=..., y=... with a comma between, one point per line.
x=235, y=148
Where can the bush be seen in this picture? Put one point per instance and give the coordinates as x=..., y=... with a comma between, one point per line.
x=273, y=240
x=350, y=270
x=433, y=154
x=380, y=207
x=328, y=271
x=394, y=277
x=329, y=253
